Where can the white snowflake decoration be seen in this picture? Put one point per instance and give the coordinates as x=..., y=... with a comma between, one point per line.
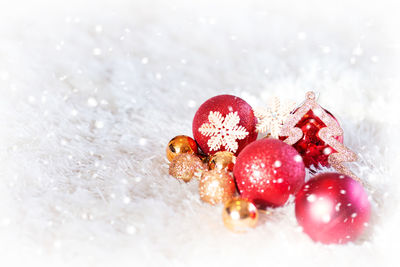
x=223, y=131
x=272, y=118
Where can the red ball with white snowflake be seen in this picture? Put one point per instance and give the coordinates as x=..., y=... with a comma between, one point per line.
x=332, y=208
x=268, y=171
x=224, y=123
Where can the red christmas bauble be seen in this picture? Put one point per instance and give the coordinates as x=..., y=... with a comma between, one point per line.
x=313, y=150
x=267, y=171
x=332, y=208
x=224, y=123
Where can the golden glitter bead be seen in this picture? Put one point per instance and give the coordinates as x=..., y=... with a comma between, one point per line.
x=222, y=160
x=179, y=145
x=216, y=186
x=239, y=215
x=185, y=166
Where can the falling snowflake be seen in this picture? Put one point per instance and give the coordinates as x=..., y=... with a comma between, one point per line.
x=272, y=118
x=223, y=131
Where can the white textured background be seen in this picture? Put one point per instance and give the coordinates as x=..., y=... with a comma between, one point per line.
x=91, y=92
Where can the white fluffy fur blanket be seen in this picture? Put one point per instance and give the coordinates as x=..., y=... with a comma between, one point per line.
x=92, y=91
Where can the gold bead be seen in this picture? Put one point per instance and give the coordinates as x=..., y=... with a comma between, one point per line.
x=179, y=145
x=239, y=215
x=185, y=166
x=216, y=186
x=222, y=160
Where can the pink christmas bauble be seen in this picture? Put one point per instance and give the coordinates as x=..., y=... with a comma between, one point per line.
x=267, y=171
x=224, y=123
x=332, y=208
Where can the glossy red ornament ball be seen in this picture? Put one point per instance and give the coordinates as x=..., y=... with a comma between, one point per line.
x=332, y=208
x=267, y=171
x=224, y=123
x=312, y=148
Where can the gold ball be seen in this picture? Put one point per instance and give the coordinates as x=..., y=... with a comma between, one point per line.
x=222, y=160
x=216, y=186
x=185, y=166
x=179, y=145
x=239, y=215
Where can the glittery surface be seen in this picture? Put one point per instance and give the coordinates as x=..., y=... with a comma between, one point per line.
x=328, y=134
x=216, y=186
x=333, y=208
x=185, y=166
x=268, y=171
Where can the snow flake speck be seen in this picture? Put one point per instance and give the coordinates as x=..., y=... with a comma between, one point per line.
x=223, y=131
x=92, y=102
x=98, y=28
x=326, y=49
x=191, y=104
x=326, y=218
x=57, y=244
x=298, y=158
x=131, y=230
x=158, y=76
x=374, y=59
x=97, y=51
x=311, y=198
x=142, y=141
x=301, y=36
x=99, y=124
x=277, y=164
x=337, y=207
x=327, y=151
x=127, y=200
x=145, y=60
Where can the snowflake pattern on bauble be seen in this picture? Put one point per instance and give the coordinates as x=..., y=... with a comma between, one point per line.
x=272, y=118
x=223, y=131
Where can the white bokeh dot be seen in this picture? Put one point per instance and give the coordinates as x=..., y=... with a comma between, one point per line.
x=97, y=51
x=92, y=102
x=311, y=198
